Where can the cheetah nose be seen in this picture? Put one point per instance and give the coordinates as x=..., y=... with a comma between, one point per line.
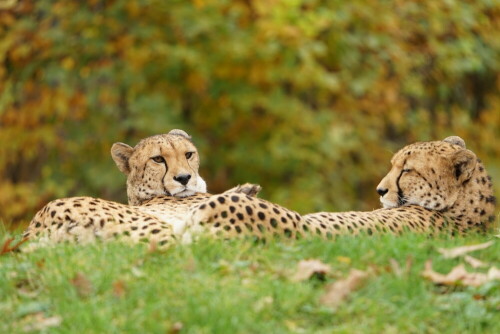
x=182, y=178
x=382, y=191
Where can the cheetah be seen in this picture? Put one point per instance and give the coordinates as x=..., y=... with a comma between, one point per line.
x=432, y=186
x=165, y=192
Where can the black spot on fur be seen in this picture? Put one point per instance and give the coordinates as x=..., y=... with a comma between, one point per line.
x=235, y=198
x=491, y=199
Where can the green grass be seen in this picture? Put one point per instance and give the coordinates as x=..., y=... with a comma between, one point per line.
x=244, y=287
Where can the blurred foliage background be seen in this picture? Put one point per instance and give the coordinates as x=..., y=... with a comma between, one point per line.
x=308, y=98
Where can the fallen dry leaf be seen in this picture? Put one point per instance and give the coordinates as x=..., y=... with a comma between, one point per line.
x=338, y=291
x=118, y=288
x=307, y=268
x=494, y=273
x=7, y=248
x=262, y=303
x=459, y=251
x=344, y=259
x=38, y=322
x=474, y=263
x=82, y=284
x=396, y=268
x=409, y=264
x=176, y=328
x=459, y=276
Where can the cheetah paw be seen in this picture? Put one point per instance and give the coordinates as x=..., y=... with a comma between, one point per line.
x=247, y=189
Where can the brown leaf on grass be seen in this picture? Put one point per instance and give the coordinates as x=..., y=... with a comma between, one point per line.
x=409, y=263
x=307, y=268
x=474, y=263
x=396, y=268
x=494, y=273
x=119, y=288
x=28, y=288
x=459, y=276
x=7, y=248
x=38, y=322
x=82, y=285
x=338, y=291
x=459, y=251
x=176, y=328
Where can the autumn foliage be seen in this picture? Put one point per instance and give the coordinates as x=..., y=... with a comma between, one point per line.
x=308, y=98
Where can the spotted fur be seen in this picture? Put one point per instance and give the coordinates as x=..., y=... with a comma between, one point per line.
x=160, y=165
x=432, y=186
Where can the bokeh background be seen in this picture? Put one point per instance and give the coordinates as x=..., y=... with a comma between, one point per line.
x=308, y=98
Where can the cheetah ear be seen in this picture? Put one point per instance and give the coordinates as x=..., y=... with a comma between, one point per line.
x=464, y=163
x=179, y=132
x=121, y=153
x=455, y=140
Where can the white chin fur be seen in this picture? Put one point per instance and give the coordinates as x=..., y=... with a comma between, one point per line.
x=201, y=187
x=387, y=205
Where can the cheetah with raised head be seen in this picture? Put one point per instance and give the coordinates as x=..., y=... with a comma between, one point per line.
x=164, y=191
x=432, y=186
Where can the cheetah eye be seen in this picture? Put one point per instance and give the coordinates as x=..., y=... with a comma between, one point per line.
x=189, y=155
x=407, y=170
x=158, y=159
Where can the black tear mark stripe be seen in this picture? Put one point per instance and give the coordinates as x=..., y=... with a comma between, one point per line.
x=400, y=191
x=163, y=181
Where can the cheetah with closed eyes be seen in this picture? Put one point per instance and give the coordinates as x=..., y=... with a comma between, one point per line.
x=432, y=186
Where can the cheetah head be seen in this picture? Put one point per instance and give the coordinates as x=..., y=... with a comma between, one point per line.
x=164, y=164
x=429, y=174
